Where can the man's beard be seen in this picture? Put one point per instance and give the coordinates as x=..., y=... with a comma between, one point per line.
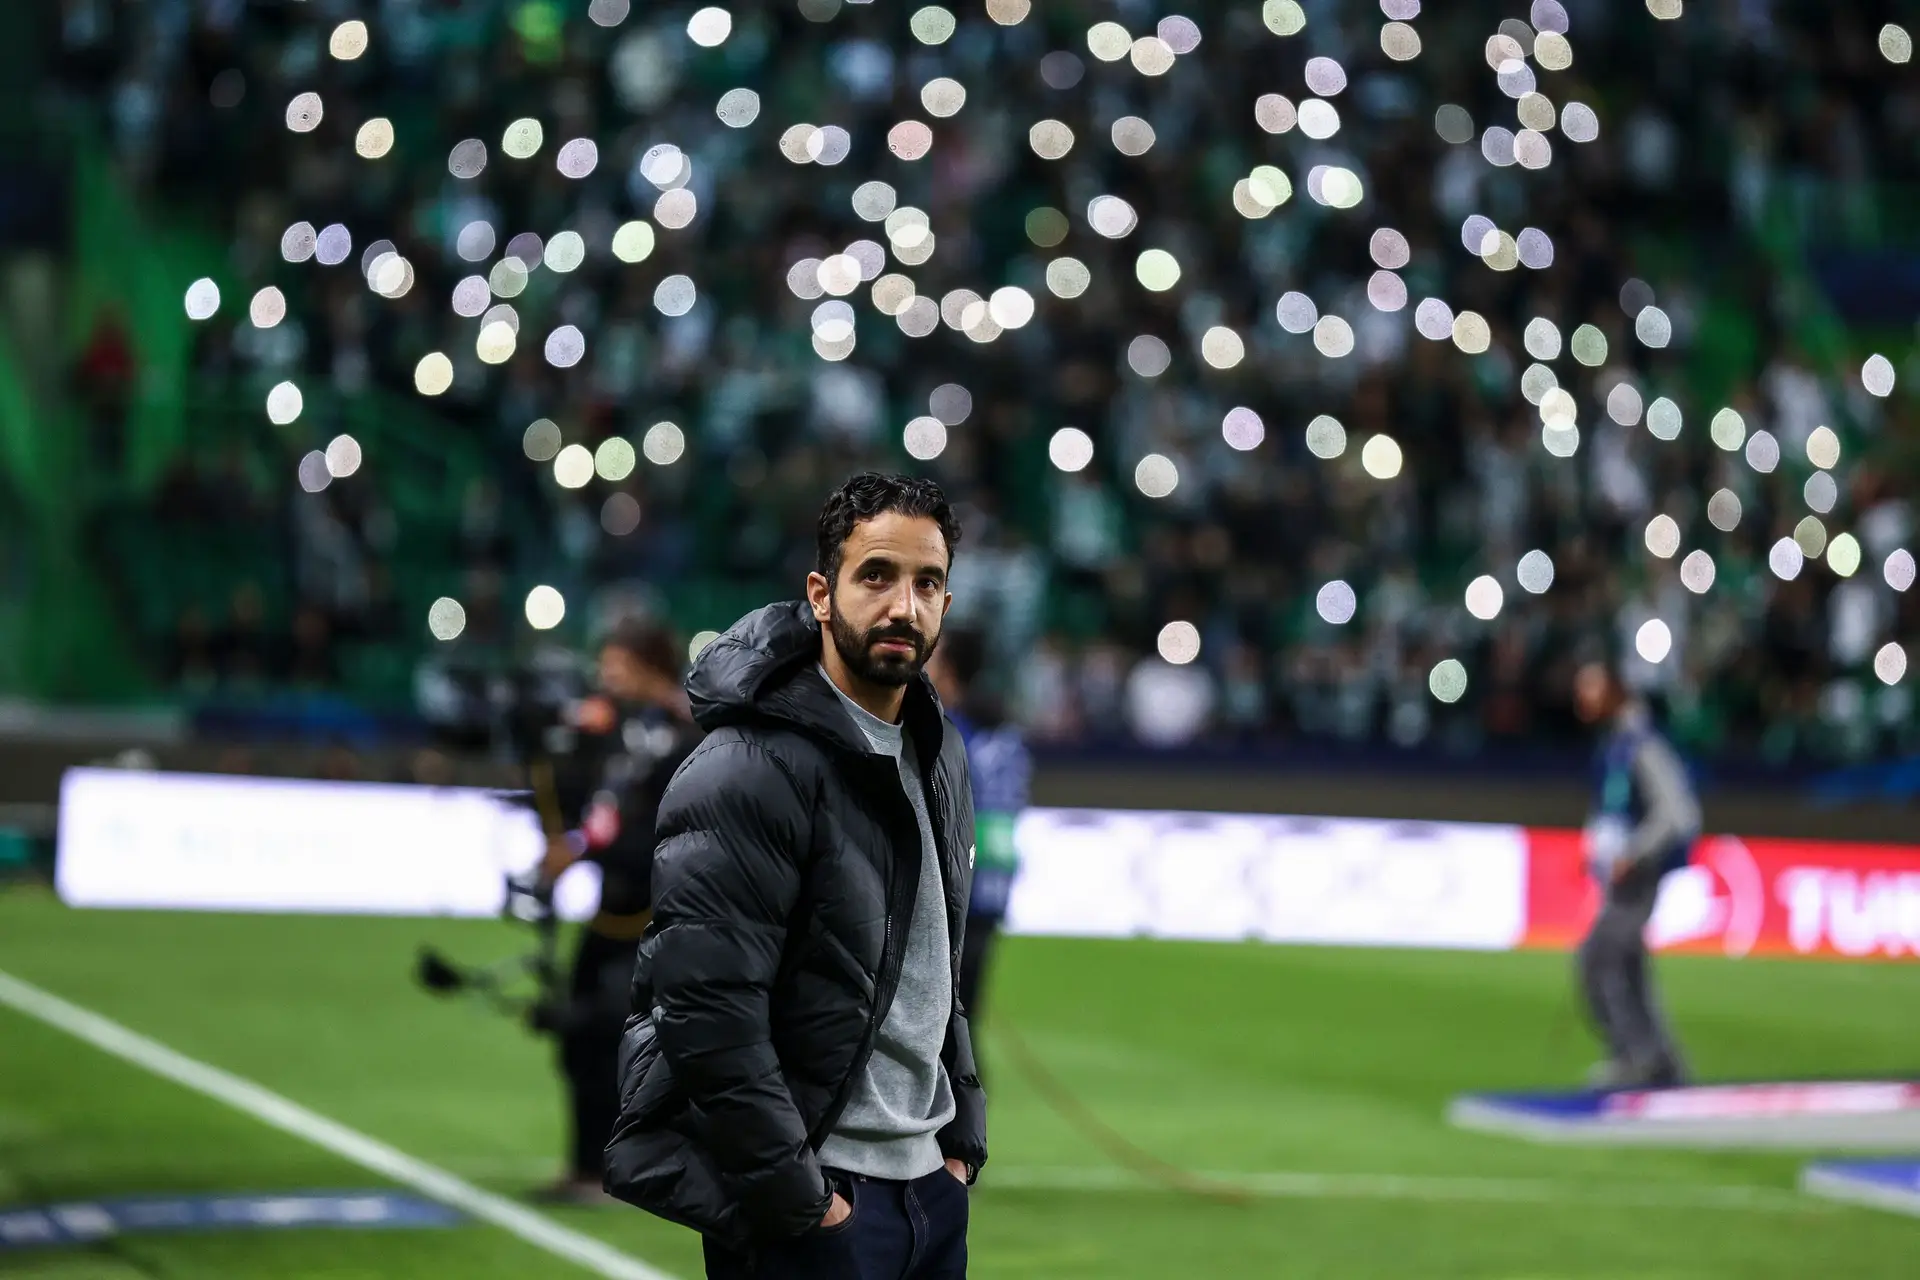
x=883, y=668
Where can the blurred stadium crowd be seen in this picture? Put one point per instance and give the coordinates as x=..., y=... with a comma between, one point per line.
x=1729, y=141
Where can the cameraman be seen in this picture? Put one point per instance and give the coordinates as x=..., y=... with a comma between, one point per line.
x=635, y=731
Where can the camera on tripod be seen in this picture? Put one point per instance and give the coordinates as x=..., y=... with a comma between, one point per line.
x=525, y=987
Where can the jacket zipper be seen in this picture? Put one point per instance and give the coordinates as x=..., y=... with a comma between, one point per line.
x=946, y=884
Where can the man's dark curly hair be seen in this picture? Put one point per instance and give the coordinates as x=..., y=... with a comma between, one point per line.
x=871, y=494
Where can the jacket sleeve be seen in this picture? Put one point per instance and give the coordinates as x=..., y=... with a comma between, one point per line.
x=733, y=838
x=964, y=1137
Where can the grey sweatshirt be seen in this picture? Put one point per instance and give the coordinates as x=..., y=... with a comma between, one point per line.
x=903, y=1099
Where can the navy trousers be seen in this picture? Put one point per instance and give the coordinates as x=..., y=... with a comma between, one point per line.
x=898, y=1231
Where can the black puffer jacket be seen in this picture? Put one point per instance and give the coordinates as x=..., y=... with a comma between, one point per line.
x=782, y=886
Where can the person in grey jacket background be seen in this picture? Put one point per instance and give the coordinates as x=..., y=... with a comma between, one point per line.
x=1643, y=825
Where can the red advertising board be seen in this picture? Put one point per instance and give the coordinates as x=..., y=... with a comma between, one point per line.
x=1746, y=896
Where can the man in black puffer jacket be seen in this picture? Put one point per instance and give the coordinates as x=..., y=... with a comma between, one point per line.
x=797, y=1081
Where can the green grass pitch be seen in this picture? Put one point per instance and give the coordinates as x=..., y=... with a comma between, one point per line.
x=1230, y=1059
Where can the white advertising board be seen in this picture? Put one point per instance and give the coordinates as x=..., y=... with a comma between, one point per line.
x=1342, y=881
x=206, y=843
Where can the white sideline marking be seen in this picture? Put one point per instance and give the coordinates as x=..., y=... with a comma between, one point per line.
x=1816, y=1181
x=290, y=1117
x=1381, y=1186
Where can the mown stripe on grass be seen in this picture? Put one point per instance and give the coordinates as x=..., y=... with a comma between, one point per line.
x=350, y=1144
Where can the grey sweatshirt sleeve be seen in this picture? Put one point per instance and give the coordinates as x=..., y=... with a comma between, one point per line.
x=1672, y=813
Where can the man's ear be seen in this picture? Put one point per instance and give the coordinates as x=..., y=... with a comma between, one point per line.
x=820, y=596
x=946, y=604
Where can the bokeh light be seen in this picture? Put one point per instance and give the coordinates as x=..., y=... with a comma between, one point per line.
x=1326, y=437
x=1653, y=641
x=710, y=27
x=1535, y=571
x=1899, y=569
x=312, y=472
x=446, y=619
x=305, y=112
x=1810, y=535
x=1484, y=598
x=1453, y=124
x=1535, y=248
x=1843, y=555
x=620, y=514
x=1222, y=348
x=614, y=459
x=546, y=608
x=1447, y=682
x=1664, y=419
x=203, y=299
x=541, y=440
x=1156, y=476
x=1876, y=375
x=565, y=346
x=924, y=438
x=284, y=403
x=1785, y=559
x=1763, y=452
x=268, y=308
x=1283, y=17
x=1890, y=663
x=932, y=25
x=1157, y=270
x=1381, y=457
x=343, y=456
x=1335, y=602
x=573, y=467
x=1697, y=572
x=1242, y=429
x=1148, y=356
x=1589, y=346
x=1663, y=536
x=1823, y=448
x=348, y=41
x=1820, y=492
x=1179, y=642
x=1070, y=449
x=1728, y=428
x=663, y=444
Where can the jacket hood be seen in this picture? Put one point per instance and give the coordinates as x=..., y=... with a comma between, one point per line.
x=766, y=667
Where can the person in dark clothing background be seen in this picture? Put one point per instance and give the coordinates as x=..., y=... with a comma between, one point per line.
x=797, y=1079
x=1002, y=770
x=1645, y=820
x=635, y=732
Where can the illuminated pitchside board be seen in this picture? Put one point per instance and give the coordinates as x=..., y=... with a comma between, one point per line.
x=194, y=842
x=1442, y=884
